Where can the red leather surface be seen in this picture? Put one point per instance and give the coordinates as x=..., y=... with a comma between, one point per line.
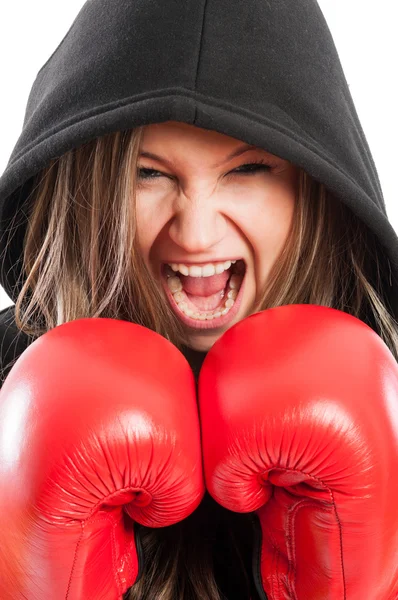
x=299, y=415
x=98, y=429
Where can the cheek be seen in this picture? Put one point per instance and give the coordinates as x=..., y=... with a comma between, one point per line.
x=269, y=228
x=281, y=218
x=268, y=216
x=281, y=203
x=271, y=236
x=148, y=220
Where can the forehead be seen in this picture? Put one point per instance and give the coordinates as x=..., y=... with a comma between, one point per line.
x=177, y=138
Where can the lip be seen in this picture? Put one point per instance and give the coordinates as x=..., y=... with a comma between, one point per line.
x=199, y=264
x=200, y=325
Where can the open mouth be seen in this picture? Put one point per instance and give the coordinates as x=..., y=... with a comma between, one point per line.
x=205, y=302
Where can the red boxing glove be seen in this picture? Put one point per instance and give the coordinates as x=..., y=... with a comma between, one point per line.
x=98, y=429
x=299, y=415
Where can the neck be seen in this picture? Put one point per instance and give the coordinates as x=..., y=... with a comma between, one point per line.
x=195, y=359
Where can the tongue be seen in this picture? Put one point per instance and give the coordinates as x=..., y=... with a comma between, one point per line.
x=204, y=286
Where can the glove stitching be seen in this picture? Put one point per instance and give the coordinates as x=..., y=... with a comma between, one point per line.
x=74, y=560
x=114, y=561
x=291, y=544
x=332, y=500
x=106, y=517
x=341, y=545
x=291, y=550
x=98, y=518
x=273, y=569
x=275, y=556
x=127, y=556
x=278, y=578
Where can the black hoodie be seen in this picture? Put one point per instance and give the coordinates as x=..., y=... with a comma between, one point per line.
x=263, y=71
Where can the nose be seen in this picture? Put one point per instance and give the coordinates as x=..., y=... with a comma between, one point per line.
x=197, y=225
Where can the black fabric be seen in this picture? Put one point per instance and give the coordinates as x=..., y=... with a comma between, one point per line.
x=12, y=342
x=263, y=71
x=195, y=359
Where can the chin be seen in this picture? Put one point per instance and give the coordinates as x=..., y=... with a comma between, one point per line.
x=203, y=341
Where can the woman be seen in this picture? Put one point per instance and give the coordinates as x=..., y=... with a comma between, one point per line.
x=260, y=162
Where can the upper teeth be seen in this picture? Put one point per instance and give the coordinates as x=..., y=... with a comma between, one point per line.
x=205, y=271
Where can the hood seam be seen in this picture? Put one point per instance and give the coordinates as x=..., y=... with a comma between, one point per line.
x=190, y=94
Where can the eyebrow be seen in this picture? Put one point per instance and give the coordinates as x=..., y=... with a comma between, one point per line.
x=237, y=152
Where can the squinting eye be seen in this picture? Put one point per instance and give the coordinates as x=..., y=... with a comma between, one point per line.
x=143, y=173
x=253, y=168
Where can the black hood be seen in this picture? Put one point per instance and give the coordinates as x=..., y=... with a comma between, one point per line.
x=263, y=71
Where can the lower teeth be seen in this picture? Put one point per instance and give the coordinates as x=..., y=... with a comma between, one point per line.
x=180, y=297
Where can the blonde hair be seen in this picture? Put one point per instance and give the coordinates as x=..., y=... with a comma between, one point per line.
x=81, y=259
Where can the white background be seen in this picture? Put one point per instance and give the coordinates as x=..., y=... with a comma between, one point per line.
x=364, y=33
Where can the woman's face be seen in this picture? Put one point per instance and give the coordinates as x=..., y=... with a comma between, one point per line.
x=198, y=205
